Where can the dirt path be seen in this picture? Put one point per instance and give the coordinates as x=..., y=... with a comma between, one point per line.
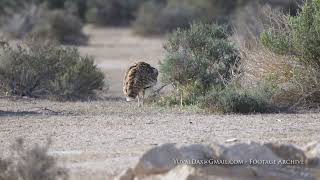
x=98, y=139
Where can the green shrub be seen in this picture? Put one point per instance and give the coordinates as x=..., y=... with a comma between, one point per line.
x=158, y=18
x=145, y=23
x=38, y=21
x=8, y=6
x=298, y=37
x=61, y=26
x=18, y=25
x=161, y=17
x=233, y=99
x=31, y=164
x=79, y=81
x=48, y=71
x=77, y=7
x=203, y=66
x=112, y=12
x=199, y=58
x=230, y=99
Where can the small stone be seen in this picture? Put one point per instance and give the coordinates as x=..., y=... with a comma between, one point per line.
x=126, y=175
x=231, y=140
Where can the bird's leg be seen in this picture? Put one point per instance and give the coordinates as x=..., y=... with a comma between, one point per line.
x=141, y=98
x=139, y=101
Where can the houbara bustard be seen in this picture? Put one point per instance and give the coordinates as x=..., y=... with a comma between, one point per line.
x=138, y=79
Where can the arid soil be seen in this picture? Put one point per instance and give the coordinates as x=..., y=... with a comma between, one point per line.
x=98, y=139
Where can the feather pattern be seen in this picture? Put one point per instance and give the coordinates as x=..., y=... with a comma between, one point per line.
x=138, y=78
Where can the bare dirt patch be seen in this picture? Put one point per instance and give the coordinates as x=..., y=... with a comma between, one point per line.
x=99, y=139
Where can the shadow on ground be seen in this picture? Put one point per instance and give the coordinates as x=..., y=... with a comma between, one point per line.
x=29, y=113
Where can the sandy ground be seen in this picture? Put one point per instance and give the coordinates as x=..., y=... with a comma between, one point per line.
x=98, y=139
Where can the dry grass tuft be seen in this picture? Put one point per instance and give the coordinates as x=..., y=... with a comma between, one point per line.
x=31, y=164
x=297, y=83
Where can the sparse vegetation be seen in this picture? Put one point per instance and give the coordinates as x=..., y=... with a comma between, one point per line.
x=202, y=55
x=61, y=26
x=112, y=12
x=148, y=17
x=31, y=164
x=38, y=21
x=237, y=99
x=45, y=70
x=298, y=39
x=158, y=17
x=203, y=66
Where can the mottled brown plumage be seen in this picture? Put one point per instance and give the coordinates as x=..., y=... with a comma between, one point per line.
x=138, y=78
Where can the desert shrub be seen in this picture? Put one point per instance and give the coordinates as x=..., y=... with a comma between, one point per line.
x=54, y=4
x=195, y=50
x=158, y=18
x=162, y=17
x=61, y=26
x=79, y=81
x=199, y=58
x=31, y=164
x=236, y=99
x=39, y=21
x=298, y=38
x=77, y=7
x=145, y=22
x=48, y=71
x=112, y=12
x=8, y=6
x=18, y=25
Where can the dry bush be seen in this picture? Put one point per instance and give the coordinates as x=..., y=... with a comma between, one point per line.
x=261, y=65
x=112, y=12
x=31, y=164
x=41, y=69
x=18, y=25
x=295, y=84
x=298, y=38
x=61, y=26
x=160, y=17
x=273, y=60
x=37, y=20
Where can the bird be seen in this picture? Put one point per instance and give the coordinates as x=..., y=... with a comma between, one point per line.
x=139, y=78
